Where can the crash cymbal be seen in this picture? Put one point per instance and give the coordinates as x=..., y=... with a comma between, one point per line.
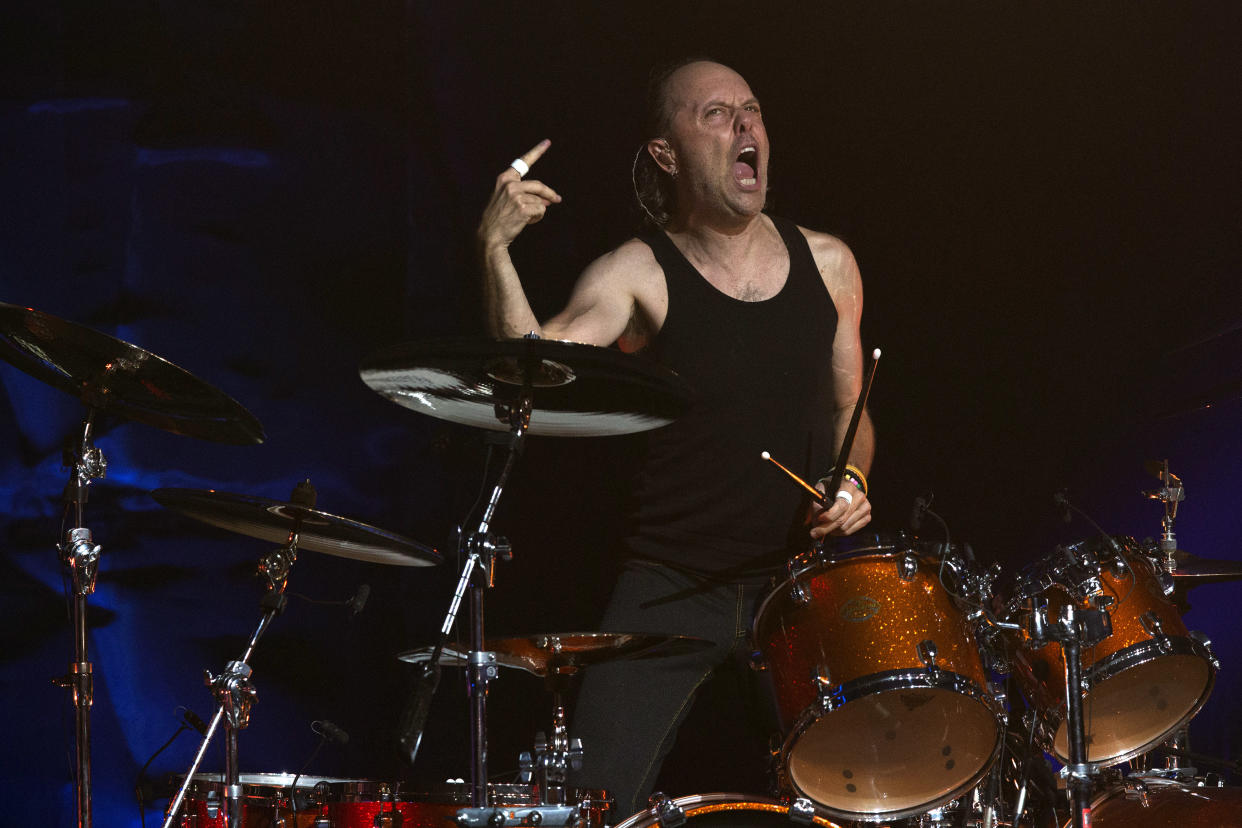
x=566, y=653
x=272, y=520
x=577, y=390
x=1192, y=570
x=120, y=379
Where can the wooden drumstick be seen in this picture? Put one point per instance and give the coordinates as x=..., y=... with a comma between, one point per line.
x=838, y=471
x=814, y=492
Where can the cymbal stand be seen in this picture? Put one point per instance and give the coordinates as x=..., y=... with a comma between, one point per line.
x=1074, y=628
x=233, y=689
x=482, y=548
x=80, y=555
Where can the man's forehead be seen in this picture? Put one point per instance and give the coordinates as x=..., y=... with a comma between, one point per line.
x=699, y=82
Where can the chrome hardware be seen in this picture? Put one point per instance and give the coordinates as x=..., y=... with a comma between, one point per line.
x=1201, y=639
x=927, y=654
x=1136, y=789
x=801, y=811
x=824, y=689
x=666, y=811
x=1151, y=623
x=907, y=566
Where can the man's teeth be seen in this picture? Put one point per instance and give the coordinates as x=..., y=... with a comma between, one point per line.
x=750, y=157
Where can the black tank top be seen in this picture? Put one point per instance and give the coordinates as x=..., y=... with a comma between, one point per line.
x=761, y=374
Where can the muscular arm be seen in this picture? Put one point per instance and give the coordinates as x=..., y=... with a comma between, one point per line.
x=847, y=364
x=844, y=283
x=602, y=304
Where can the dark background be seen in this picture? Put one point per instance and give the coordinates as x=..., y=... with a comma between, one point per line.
x=1044, y=200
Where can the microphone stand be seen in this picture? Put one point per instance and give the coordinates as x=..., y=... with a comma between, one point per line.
x=233, y=689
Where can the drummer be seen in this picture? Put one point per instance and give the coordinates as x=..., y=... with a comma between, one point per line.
x=761, y=317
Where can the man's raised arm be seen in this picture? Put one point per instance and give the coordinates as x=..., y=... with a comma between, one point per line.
x=601, y=304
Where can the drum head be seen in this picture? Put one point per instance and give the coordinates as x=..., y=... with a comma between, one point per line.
x=890, y=754
x=1138, y=707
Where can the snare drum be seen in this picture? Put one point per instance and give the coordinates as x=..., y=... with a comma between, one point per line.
x=1145, y=680
x=265, y=800
x=727, y=810
x=366, y=805
x=878, y=679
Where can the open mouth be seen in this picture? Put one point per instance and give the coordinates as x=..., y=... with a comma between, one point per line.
x=746, y=167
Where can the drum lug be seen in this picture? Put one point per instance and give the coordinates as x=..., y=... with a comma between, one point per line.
x=1205, y=642
x=799, y=594
x=1151, y=623
x=666, y=811
x=927, y=654
x=1136, y=789
x=907, y=566
x=1118, y=567
x=757, y=662
x=824, y=689
x=802, y=811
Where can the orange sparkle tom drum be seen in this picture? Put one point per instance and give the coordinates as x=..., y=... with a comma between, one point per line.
x=878, y=679
x=1144, y=681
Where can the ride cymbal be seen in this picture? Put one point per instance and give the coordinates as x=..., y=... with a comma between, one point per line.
x=113, y=376
x=576, y=390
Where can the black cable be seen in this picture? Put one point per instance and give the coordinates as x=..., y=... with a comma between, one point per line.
x=142, y=774
x=293, y=788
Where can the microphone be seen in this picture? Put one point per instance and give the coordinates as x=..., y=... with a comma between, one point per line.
x=918, y=511
x=331, y=732
x=414, y=716
x=359, y=599
x=192, y=719
x=1061, y=498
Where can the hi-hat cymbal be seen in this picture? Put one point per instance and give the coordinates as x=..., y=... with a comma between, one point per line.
x=577, y=390
x=115, y=377
x=567, y=653
x=272, y=520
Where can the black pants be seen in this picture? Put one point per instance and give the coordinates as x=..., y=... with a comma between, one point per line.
x=629, y=712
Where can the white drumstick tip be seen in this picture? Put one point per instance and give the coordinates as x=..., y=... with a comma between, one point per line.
x=875, y=354
x=765, y=455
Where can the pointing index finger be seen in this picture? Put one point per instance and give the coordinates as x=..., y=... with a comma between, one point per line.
x=536, y=152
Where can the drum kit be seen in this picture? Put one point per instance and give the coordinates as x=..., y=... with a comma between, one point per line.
x=914, y=687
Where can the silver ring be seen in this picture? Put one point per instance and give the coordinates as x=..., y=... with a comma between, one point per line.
x=521, y=166
x=846, y=496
